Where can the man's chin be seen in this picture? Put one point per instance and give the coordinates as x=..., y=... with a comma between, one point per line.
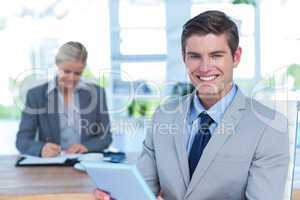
x=208, y=95
x=209, y=89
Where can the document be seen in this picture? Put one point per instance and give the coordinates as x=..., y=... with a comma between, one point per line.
x=122, y=181
x=39, y=160
x=63, y=159
x=28, y=160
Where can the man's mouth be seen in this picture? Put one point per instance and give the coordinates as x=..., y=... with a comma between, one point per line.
x=207, y=78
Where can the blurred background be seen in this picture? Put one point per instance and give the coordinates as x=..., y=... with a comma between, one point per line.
x=135, y=54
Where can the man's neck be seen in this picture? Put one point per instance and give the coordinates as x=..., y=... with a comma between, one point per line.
x=211, y=99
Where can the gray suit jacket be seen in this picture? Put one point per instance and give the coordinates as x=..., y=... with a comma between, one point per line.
x=40, y=116
x=246, y=158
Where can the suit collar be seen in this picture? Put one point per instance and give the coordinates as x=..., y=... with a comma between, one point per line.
x=53, y=86
x=180, y=120
x=222, y=133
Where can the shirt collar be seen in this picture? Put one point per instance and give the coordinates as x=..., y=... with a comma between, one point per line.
x=81, y=85
x=217, y=111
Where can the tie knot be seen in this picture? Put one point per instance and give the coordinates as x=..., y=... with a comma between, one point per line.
x=205, y=121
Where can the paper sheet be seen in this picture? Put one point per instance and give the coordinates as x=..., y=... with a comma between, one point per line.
x=54, y=160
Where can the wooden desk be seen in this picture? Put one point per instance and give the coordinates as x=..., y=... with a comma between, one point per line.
x=296, y=194
x=39, y=183
x=50, y=183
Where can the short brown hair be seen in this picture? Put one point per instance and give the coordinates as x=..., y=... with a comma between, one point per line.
x=71, y=51
x=215, y=22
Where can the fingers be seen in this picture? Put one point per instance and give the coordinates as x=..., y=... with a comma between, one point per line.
x=50, y=150
x=76, y=148
x=73, y=149
x=159, y=198
x=54, y=147
x=101, y=195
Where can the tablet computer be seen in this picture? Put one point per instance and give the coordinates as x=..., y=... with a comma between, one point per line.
x=122, y=181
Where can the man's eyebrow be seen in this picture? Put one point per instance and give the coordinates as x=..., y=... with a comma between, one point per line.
x=218, y=52
x=214, y=52
x=192, y=53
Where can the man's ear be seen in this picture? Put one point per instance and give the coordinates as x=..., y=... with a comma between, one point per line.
x=183, y=56
x=237, y=57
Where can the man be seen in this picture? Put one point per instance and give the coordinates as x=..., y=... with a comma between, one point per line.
x=67, y=113
x=215, y=143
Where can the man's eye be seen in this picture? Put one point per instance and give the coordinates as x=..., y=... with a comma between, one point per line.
x=194, y=56
x=217, y=56
x=67, y=71
x=77, y=73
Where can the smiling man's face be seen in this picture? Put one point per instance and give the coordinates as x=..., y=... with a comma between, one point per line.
x=210, y=64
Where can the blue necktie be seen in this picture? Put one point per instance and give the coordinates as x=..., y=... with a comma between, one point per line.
x=201, y=139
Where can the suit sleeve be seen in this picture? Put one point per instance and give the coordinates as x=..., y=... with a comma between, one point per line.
x=100, y=141
x=26, y=135
x=147, y=161
x=268, y=172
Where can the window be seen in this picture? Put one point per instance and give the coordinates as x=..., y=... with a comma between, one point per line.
x=280, y=40
x=142, y=27
x=139, y=48
x=156, y=71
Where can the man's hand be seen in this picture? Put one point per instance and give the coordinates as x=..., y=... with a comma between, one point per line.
x=50, y=150
x=100, y=195
x=76, y=148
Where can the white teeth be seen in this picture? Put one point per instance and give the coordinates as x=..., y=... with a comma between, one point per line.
x=207, y=78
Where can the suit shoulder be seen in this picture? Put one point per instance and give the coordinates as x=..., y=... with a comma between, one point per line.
x=38, y=90
x=173, y=104
x=95, y=86
x=270, y=117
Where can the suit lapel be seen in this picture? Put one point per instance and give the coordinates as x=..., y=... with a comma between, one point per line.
x=179, y=139
x=84, y=105
x=52, y=104
x=222, y=133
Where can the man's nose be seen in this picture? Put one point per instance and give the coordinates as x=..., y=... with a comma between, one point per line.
x=71, y=76
x=205, y=65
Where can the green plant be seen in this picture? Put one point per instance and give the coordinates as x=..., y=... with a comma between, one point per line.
x=133, y=109
x=251, y=2
x=9, y=112
x=182, y=89
x=142, y=107
x=102, y=81
x=294, y=71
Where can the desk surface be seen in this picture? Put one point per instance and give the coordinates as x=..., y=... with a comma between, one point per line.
x=20, y=181
x=60, y=183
